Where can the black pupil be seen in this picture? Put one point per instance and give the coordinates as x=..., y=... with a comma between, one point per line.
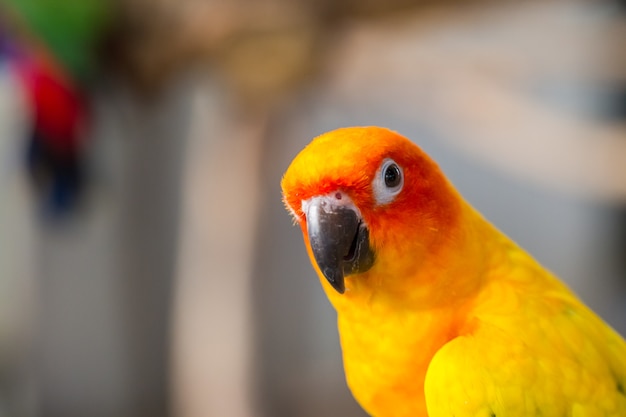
x=392, y=176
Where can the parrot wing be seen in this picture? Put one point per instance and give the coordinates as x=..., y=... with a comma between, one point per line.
x=560, y=361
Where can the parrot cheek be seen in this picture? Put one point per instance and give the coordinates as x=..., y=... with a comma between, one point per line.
x=338, y=238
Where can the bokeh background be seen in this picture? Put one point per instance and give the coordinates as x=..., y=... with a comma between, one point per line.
x=147, y=266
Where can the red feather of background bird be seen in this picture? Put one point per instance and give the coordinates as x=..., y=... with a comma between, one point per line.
x=57, y=107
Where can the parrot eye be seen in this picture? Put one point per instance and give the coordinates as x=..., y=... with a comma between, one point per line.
x=388, y=182
x=392, y=176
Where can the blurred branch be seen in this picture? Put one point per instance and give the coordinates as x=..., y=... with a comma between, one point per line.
x=262, y=48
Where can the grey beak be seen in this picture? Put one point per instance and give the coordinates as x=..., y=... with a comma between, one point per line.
x=339, y=240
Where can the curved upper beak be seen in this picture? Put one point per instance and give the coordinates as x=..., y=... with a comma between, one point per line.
x=339, y=240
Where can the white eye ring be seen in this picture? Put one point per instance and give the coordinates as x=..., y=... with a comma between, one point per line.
x=388, y=181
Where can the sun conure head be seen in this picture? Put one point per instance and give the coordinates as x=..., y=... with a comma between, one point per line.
x=370, y=204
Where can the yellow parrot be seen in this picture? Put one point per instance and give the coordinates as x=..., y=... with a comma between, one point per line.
x=439, y=313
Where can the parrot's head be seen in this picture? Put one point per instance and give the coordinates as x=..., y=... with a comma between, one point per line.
x=376, y=212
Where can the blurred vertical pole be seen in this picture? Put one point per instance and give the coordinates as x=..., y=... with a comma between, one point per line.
x=212, y=334
x=17, y=256
x=149, y=217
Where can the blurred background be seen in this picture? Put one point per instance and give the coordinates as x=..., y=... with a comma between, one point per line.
x=147, y=265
